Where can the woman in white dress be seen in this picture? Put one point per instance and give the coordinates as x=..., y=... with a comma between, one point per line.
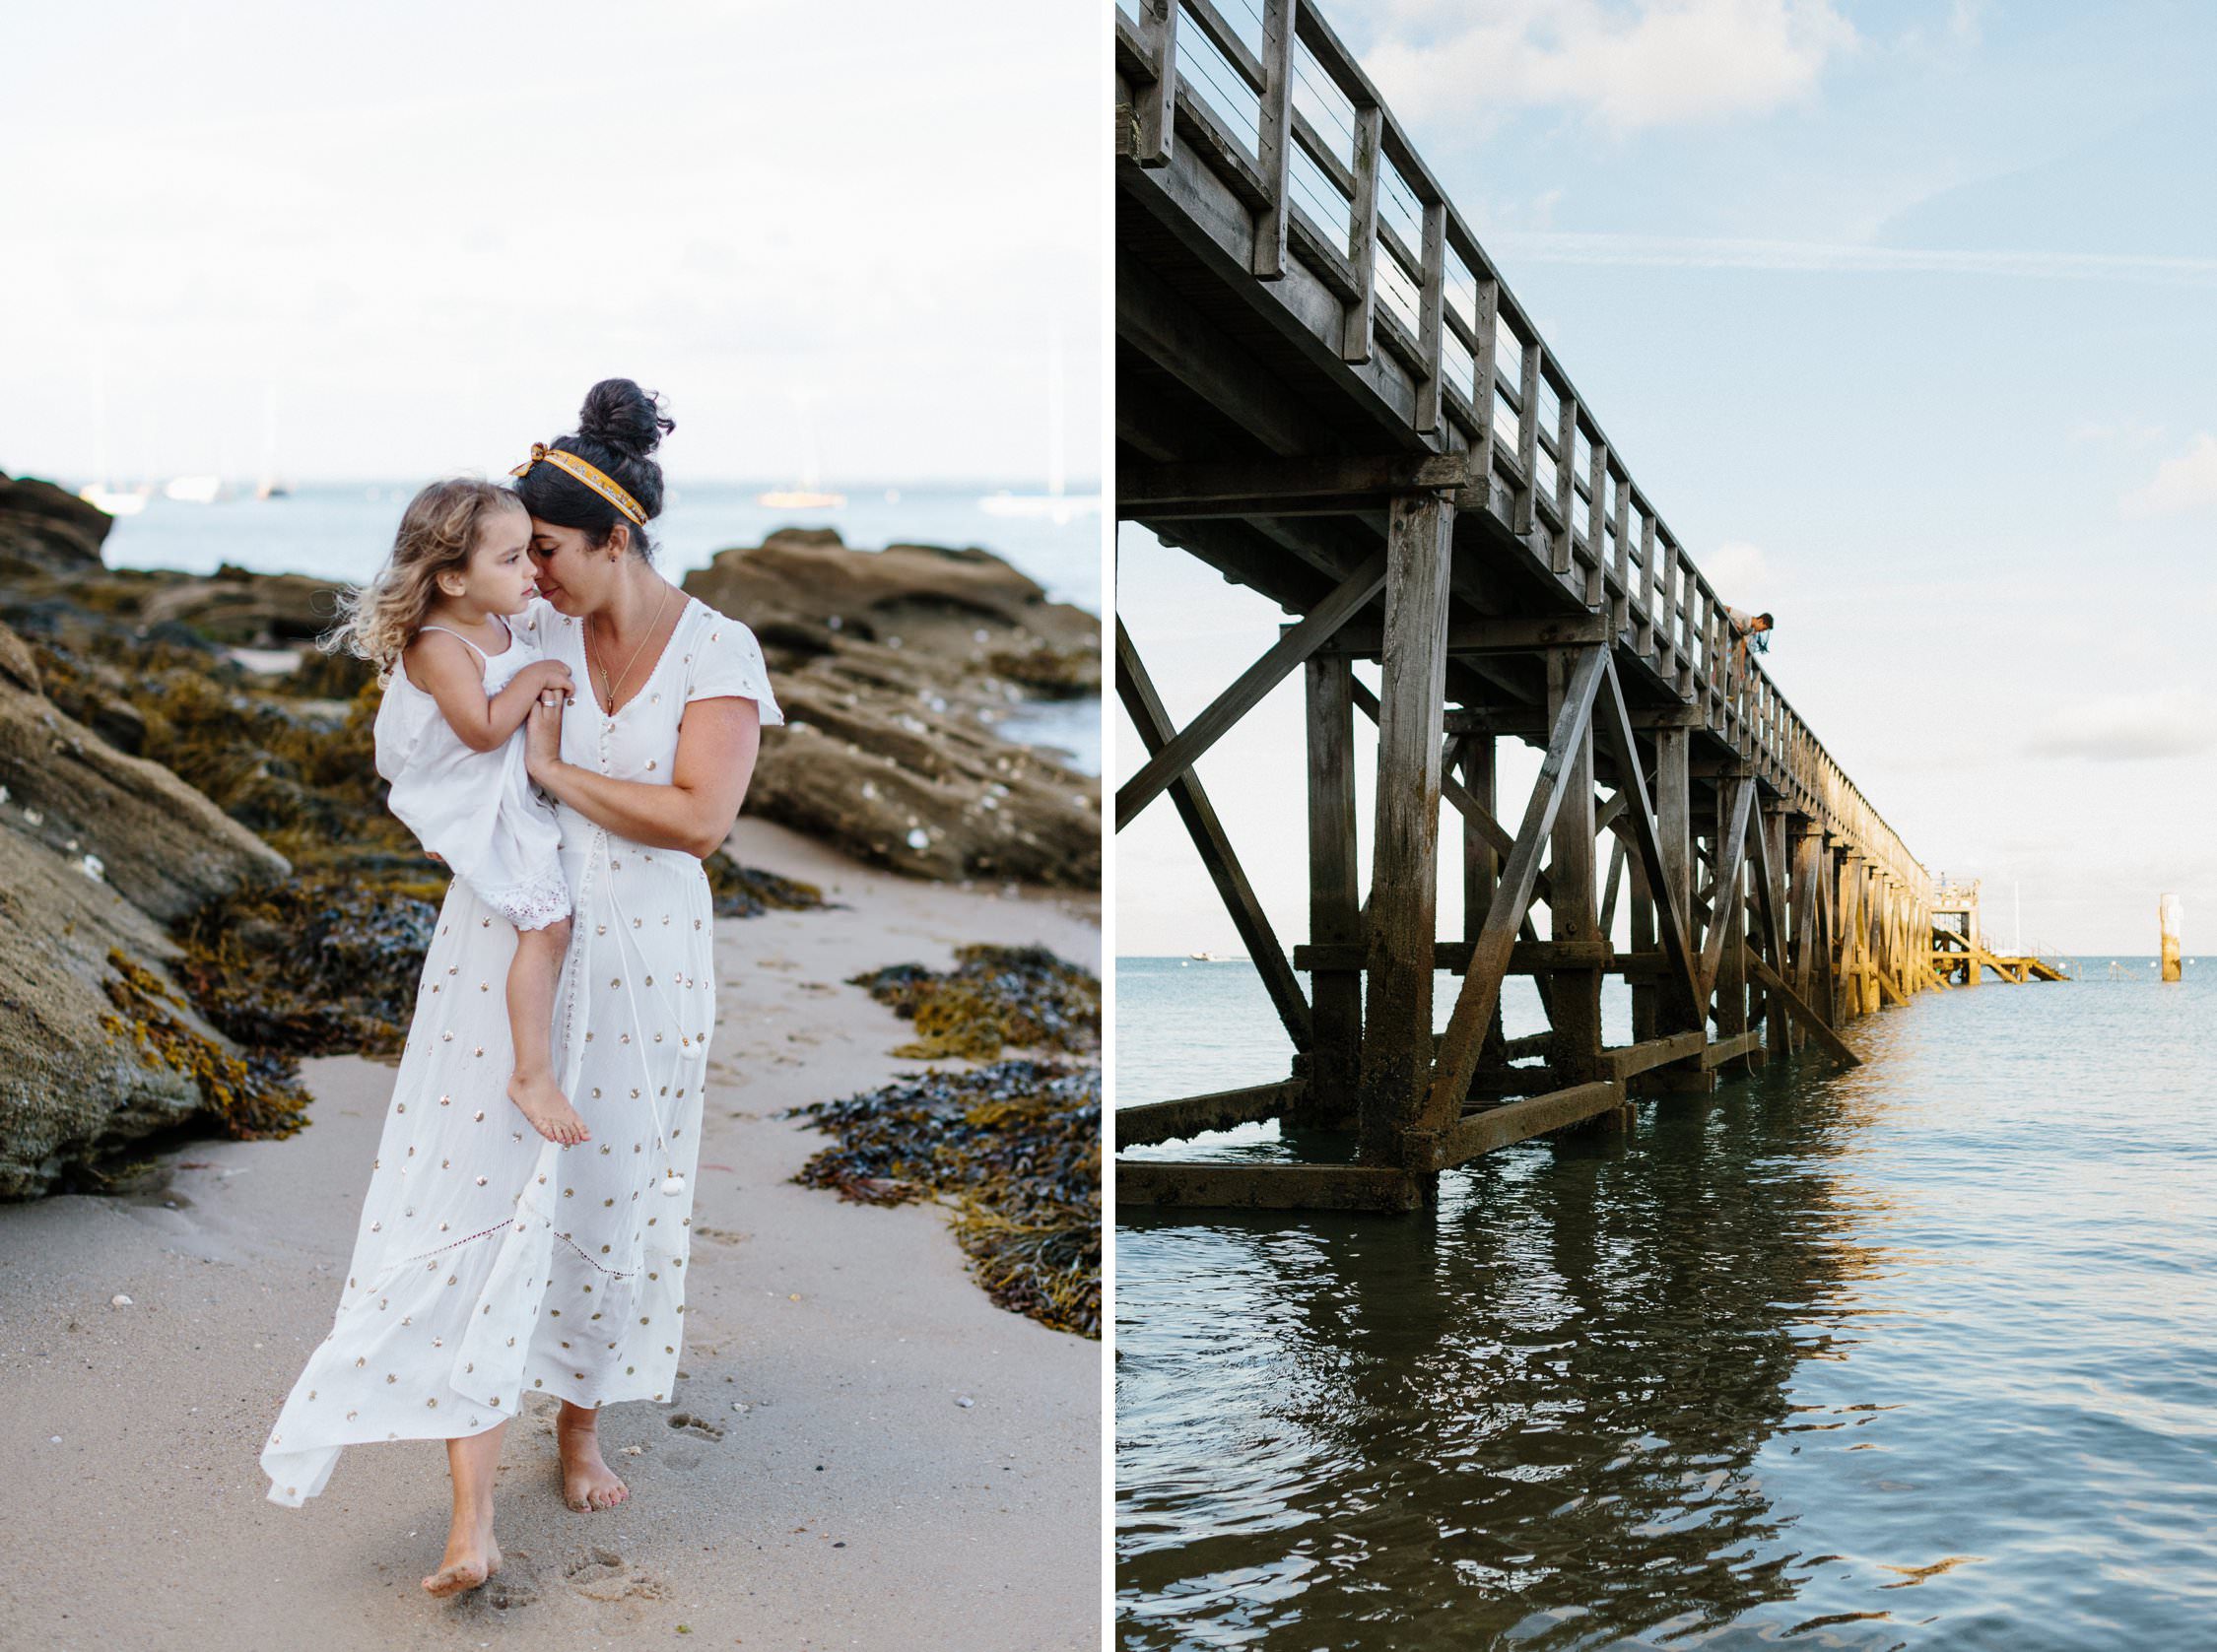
x=491, y=1263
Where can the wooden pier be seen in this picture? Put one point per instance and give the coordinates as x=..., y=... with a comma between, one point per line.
x=1326, y=392
x=1960, y=954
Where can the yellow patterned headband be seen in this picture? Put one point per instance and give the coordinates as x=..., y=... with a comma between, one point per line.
x=592, y=476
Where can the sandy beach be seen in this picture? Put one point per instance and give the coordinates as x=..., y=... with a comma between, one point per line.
x=816, y=1481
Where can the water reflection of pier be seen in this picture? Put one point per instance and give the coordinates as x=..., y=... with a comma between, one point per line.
x=1326, y=392
x=1540, y=1412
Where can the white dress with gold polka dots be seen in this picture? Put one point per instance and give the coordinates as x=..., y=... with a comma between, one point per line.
x=491, y=1263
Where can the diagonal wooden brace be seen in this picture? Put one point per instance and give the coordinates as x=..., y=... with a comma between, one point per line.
x=1459, y=1046
x=1145, y=706
x=1179, y=754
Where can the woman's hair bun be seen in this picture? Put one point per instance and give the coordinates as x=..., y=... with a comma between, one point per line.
x=619, y=414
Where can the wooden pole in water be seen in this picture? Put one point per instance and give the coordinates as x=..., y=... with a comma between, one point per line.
x=2167, y=914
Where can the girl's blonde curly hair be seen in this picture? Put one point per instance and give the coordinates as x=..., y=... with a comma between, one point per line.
x=437, y=532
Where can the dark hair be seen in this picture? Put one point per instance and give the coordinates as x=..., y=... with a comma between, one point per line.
x=618, y=425
x=1765, y=617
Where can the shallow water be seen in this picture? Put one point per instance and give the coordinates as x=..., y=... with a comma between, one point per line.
x=1917, y=1355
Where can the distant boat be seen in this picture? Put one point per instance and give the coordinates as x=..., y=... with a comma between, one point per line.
x=117, y=501
x=194, y=489
x=1205, y=957
x=800, y=499
x=269, y=488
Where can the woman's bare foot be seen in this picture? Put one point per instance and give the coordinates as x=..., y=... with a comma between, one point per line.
x=471, y=1557
x=588, y=1482
x=540, y=1099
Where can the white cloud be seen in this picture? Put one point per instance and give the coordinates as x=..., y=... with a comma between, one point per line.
x=2187, y=482
x=1654, y=63
x=1697, y=252
x=1739, y=571
x=2130, y=728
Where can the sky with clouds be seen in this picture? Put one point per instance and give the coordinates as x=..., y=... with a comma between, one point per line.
x=1905, y=316
x=425, y=229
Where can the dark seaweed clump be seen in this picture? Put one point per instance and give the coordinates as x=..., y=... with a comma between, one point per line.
x=1021, y=996
x=1016, y=1146
x=748, y=892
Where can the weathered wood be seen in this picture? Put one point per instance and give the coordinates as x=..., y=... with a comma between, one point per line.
x=1723, y=1049
x=1178, y=754
x=1628, y=1060
x=1274, y=139
x=1234, y=1185
x=1246, y=486
x=1362, y=236
x=1669, y=880
x=1481, y=985
x=1572, y=918
x=1145, y=708
x=1334, y=910
x=1518, y=1121
x=1158, y=30
x=1190, y=1116
x=1404, y=879
x=1812, y=1023
x=1732, y=851
x=1489, y=637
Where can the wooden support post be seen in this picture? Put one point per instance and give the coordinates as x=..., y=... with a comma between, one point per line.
x=1481, y=862
x=1674, y=827
x=2167, y=923
x=1397, y=1046
x=1778, y=1037
x=1574, y=1052
x=1803, y=903
x=1727, y=908
x=1335, y=910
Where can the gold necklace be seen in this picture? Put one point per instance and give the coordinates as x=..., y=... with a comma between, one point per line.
x=608, y=689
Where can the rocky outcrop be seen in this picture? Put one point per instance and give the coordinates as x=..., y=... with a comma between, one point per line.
x=100, y=851
x=895, y=669
x=44, y=530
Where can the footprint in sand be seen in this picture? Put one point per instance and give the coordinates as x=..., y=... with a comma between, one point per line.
x=718, y=1235
x=602, y=1574
x=513, y=1586
x=686, y=1423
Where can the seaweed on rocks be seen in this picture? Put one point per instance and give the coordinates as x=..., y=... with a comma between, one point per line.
x=1015, y=1147
x=1021, y=996
x=258, y=1095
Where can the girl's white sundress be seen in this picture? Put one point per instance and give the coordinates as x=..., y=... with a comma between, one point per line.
x=477, y=810
x=490, y=1263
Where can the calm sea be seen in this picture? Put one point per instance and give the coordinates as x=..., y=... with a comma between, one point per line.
x=342, y=531
x=1920, y=1356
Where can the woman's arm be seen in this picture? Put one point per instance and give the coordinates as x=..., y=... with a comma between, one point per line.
x=717, y=742
x=443, y=668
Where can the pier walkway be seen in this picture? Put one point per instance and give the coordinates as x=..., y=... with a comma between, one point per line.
x=1326, y=392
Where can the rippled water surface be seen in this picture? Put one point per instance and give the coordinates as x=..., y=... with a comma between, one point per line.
x=1922, y=1355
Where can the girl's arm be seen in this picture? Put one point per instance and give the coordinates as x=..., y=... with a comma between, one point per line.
x=717, y=742
x=443, y=668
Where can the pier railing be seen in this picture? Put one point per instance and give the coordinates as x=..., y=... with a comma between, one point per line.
x=1348, y=225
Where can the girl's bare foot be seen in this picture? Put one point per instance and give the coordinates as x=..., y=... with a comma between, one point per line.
x=540, y=1099
x=471, y=1557
x=588, y=1482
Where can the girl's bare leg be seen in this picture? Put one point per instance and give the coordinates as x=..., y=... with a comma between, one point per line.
x=588, y=1482
x=471, y=1554
x=532, y=976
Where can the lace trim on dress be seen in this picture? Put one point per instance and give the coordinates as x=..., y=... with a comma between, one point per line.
x=531, y=905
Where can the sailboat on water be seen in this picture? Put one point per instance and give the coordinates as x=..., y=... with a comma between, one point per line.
x=101, y=494
x=269, y=488
x=810, y=494
x=1054, y=504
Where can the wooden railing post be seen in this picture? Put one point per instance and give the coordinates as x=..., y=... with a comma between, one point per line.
x=1362, y=236
x=1158, y=103
x=1431, y=331
x=1274, y=139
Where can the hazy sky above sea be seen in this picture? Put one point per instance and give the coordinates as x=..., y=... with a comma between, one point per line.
x=851, y=232
x=1905, y=317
